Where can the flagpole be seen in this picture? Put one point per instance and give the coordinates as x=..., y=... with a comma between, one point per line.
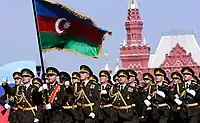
x=40, y=52
x=38, y=38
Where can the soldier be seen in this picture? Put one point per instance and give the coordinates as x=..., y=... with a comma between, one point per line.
x=174, y=114
x=160, y=107
x=76, y=87
x=115, y=79
x=176, y=78
x=24, y=95
x=55, y=96
x=149, y=90
x=8, y=101
x=37, y=98
x=88, y=98
x=187, y=96
x=75, y=78
x=104, y=113
x=70, y=113
x=127, y=103
x=65, y=79
x=132, y=78
x=94, y=79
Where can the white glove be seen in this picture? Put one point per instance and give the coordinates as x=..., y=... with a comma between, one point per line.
x=176, y=96
x=36, y=108
x=149, y=97
x=103, y=92
x=36, y=120
x=48, y=106
x=6, y=106
x=192, y=92
x=162, y=94
x=67, y=83
x=45, y=87
x=40, y=89
x=147, y=102
x=4, y=80
x=178, y=102
x=92, y=115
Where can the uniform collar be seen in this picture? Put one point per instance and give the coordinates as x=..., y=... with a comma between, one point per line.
x=123, y=85
x=159, y=84
x=27, y=85
x=104, y=85
x=86, y=82
x=52, y=84
x=188, y=82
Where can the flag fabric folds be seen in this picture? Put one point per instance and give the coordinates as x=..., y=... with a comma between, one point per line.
x=61, y=28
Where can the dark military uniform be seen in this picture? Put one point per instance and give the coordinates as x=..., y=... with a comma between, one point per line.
x=76, y=87
x=186, y=98
x=88, y=98
x=174, y=114
x=25, y=100
x=127, y=103
x=159, y=99
x=6, y=98
x=70, y=114
x=37, y=98
x=147, y=91
x=64, y=76
x=115, y=79
x=54, y=101
x=106, y=104
x=132, y=73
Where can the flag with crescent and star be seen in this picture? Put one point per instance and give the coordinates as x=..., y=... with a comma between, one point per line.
x=61, y=28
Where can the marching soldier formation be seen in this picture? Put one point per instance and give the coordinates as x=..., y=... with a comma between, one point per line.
x=85, y=98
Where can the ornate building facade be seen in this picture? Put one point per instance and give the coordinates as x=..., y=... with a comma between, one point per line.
x=173, y=51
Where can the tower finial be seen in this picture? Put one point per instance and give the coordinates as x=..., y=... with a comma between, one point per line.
x=117, y=66
x=124, y=42
x=106, y=66
x=133, y=4
x=144, y=41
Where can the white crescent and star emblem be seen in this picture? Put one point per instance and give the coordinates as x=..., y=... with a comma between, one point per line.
x=66, y=25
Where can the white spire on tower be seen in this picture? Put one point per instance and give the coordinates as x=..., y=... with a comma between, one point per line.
x=124, y=42
x=133, y=4
x=106, y=66
x=144, y=41
x=117, y=66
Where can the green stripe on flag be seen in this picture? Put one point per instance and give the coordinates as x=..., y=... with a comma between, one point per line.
x=75, y=44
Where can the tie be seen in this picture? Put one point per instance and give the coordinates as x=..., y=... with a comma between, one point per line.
x=103, y=87
x=187, y=85
x=121, y=87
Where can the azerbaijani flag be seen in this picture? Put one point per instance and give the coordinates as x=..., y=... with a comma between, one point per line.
x=61, y=28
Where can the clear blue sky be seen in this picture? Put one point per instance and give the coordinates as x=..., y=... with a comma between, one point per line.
x=18, y=37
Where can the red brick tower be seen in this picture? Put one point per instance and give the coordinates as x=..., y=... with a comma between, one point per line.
x=135, y=52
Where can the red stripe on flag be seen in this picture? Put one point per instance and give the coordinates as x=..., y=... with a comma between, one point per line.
x=76, y=28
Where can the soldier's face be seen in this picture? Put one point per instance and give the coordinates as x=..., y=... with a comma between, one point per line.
x=103, y=79
x=131, y=79
x=84, y=75
x=122, y=79
x=26, y=79
x=187, y=77
x=75, y=80
x=52, y=78
x=159, y=78
x=147, y=81
x=176, y=80
x=37, y=85
x=18, y=81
